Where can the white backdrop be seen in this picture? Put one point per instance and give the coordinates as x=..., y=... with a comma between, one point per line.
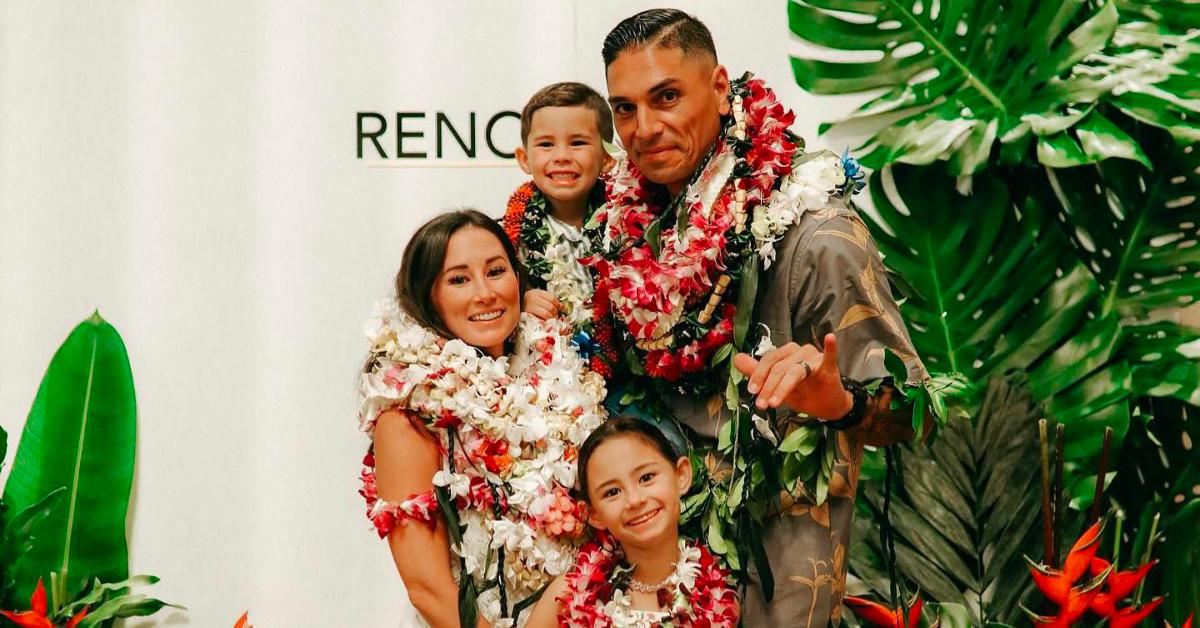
x=190, y=170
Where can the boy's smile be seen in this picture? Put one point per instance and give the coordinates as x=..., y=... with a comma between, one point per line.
x=565, y=156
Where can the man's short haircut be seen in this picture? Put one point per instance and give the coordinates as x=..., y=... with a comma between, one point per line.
x=664, y=28
x=568, y=94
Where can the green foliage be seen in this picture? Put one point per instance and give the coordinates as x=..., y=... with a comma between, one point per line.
x=963, y=77
x=79, y=439
x=1181, y=564
x=1157, y=475
x=968, y=511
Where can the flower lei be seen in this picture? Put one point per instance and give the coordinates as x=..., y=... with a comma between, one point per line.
x=549, y=266
x=681, y=280
x=697, y=594
x=509, y=429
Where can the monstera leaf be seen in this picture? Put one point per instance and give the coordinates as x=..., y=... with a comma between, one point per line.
x=79, y=439
x=968, y=511
x=961, y=76
x=1137, y=232
x=1000, y=291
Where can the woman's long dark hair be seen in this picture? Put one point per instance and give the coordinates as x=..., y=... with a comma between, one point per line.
x=423, y=259
x=614, y=428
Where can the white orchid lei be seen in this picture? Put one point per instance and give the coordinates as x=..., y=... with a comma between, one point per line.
x=680, y=279
x=698, y=593
x=509, y=429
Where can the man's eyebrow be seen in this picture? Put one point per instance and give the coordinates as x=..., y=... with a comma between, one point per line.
x=658, y=87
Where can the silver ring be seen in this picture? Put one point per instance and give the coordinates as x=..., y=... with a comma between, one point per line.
x=807, y=369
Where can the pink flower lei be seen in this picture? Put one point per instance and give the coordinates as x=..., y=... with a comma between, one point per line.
x=671, y=275
x=599, y=576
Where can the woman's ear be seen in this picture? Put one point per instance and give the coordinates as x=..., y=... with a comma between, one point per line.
x=683, y=474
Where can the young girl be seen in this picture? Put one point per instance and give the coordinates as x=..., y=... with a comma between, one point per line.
x=637, y=572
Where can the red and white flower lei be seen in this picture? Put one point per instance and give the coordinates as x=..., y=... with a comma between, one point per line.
x=509, y=429
x=698, y=594
x=677, y=305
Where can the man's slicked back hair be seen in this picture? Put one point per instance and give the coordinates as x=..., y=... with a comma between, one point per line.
x=663, y=28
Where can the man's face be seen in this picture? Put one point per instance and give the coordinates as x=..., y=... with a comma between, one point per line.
x=667, y=108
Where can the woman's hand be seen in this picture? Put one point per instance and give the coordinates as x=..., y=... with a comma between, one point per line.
x=542, y=304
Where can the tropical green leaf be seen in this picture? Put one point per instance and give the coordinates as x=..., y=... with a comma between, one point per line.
x=1137, y=230
x=959, y=77
x=80, y=435
x=1181, y=564
x=969, y=509
x=17, y=539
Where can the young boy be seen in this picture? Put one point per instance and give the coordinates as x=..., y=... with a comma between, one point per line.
x=563, y=130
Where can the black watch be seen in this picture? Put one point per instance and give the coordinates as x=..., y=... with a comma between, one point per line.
x=858, y=411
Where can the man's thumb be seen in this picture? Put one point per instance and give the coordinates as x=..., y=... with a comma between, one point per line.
x=745, y=363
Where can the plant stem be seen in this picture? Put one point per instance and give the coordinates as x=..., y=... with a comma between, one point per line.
x=1116, y=554
x=1058, y=490
x=1099, y=495
x=1047, y=522
x=1137, y=594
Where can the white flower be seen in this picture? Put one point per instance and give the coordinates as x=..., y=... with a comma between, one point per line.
x=764, y=428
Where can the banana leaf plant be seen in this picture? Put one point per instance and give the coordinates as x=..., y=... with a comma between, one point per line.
x=966, y=513
x=76, y=449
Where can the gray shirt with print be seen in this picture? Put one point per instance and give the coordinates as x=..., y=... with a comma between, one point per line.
x=827, y=277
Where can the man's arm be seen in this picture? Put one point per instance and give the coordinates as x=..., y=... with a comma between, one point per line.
x=836, y=285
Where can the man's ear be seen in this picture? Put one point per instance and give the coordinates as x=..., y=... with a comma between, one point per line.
x=683, y=474
x=523, y=159
x=720, y=86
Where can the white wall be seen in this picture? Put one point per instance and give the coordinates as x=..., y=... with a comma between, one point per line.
x=190, y=170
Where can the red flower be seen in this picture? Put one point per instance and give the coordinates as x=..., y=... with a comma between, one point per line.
x=663, y=364
x=691, y=359
x=243, y=621
x=1130, y=616
x=1118, y=585
x=447, y=420
x=1056, y=584
x=36, y=617
x=880, y=615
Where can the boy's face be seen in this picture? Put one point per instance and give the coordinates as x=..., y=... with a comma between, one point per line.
x=564, y=153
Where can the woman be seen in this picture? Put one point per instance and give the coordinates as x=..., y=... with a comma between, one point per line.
x=477, y=414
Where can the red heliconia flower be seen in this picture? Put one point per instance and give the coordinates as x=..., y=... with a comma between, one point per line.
x=79, y=617
x=35, y=617
x=879, y=615
x=1130, y=616
x=243, y=621
x=1057, y=584
x=1118, y=585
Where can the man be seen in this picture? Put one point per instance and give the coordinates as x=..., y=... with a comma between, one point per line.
x=822, y=293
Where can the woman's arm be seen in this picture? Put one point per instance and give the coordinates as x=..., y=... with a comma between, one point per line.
x=545, y=612
x=406, y=457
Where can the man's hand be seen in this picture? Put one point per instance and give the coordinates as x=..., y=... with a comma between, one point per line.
x=542, y=304
x=805, y=378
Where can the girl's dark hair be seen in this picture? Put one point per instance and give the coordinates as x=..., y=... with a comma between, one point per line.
x=616, y=427
x=423, y=259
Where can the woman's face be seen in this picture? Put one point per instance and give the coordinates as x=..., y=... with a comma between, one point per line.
x=477, y=294
x=634, y=491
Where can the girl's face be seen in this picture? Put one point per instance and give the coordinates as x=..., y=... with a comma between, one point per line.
x=634, y=491
x=477, y=293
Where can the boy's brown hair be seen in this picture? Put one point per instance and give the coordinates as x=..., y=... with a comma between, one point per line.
x=568, y=94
